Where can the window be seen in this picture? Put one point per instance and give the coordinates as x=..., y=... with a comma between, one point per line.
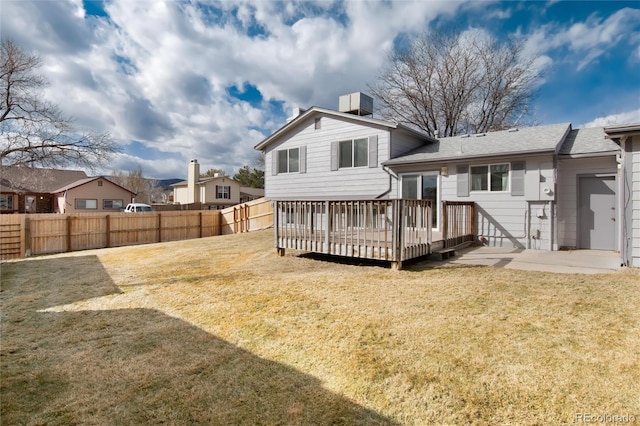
x=317, y=124
x=223, y=192
x=289, y=160
x=112, y=204
x=354, y=153
x=6, y=202
x=86, y=204
x=492, y=178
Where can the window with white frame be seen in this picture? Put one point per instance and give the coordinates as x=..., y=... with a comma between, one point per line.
x=6, y=201
x=223, y=192
x=112, y=204
x=289, y=160
x=86, y=204
x=354, y=153
x=490, y=177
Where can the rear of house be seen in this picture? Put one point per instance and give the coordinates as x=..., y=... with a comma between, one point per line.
x=547, y=187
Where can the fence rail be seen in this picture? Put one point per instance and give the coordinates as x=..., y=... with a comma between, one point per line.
x=31, y=234
x=391, y=230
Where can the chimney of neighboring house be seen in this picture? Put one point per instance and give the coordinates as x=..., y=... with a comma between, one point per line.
x=192, y=178
x=356, y=103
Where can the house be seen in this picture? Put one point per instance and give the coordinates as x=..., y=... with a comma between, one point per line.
x=546, y=187
x=38, y=190
x=30, y=190
x=215, y=193
x=249, y=194
x=96, y=194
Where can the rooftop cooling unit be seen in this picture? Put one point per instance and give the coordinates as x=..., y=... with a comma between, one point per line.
x=356, y=103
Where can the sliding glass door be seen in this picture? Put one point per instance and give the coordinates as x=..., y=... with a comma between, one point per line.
x=423, y=186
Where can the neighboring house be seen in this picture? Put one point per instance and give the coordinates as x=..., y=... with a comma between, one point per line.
x=97, y=194
x=248, y=194
x=30, y=190
x=546, y=187
x=215, y=193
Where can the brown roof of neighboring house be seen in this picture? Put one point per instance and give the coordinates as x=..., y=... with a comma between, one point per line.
x=87, y=180
x=36, y=180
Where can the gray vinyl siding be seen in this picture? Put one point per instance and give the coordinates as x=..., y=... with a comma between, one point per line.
x=319, y=181
x=506, y=220
x=404, y=142
x=503, y=219
x=568, y=172
x=635, y=201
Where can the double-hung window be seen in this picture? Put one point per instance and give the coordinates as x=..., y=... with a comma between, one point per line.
x=223, y=192
x=289, y=160
x=354, y=153
x=491, y=178
x=6, y=201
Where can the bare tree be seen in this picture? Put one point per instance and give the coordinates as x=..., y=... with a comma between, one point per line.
x=447, y=84
x=33, y=131
x=146, y=190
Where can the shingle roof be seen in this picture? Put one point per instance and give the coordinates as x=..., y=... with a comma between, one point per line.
x=527, y=140
x=340, y=115
x=87, y=180
x=37, y=180
x=587, y=141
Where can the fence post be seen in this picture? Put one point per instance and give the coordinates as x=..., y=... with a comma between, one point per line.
x=108, y=230
x=27, y=237
x=69, y=218
x=200, y=224
x=159, y=227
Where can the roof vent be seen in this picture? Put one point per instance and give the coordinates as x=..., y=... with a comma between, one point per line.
x=356, y=103
x=465, y=136
x=479, y=135
x=515, y=129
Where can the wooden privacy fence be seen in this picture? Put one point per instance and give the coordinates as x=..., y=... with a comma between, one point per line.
x=31, y=234
x=391, y=230
x=250, y=216
x=458, y=222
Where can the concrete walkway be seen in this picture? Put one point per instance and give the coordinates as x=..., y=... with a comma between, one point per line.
x=566, y=262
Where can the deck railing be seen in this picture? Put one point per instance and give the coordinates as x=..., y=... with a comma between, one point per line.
x=458, y=222
x=391, y=230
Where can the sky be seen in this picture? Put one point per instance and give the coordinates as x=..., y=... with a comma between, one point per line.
x=179, y=80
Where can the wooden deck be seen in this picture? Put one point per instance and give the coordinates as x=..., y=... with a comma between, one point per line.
x=391, y=230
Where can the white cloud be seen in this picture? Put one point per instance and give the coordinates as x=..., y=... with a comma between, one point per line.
x=619, y=118
x=158, y=72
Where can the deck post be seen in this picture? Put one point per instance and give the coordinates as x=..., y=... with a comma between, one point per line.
x=328, y=228
x=281, y=251
x=396, y=265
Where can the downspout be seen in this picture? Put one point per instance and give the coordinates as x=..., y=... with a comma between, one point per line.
x=391, y=176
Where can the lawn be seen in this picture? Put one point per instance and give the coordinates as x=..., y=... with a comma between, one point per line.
x=222, y=331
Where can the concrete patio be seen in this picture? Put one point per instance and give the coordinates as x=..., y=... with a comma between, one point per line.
x=566, y=262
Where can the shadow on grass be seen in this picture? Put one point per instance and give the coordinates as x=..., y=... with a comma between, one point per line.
x=137, y=366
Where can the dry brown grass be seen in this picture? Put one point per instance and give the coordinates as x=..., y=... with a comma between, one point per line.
x=222, y=331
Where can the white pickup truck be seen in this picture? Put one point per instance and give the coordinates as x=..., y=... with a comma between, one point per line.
x=137, y=207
